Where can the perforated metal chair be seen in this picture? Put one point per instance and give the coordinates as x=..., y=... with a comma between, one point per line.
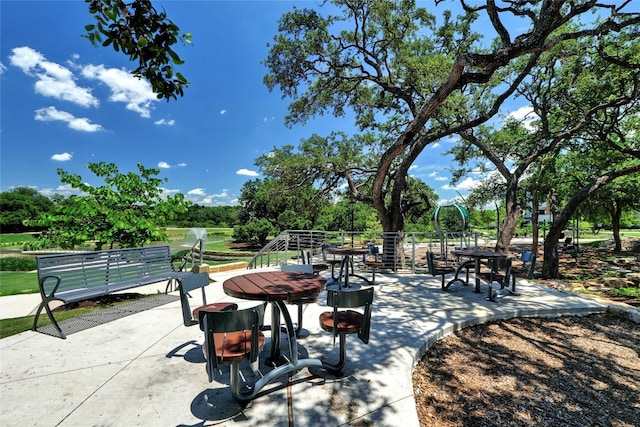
x=439, y=270
x=373, y=262
x=343, y=322
x=333, y=261
x=525, y=271
x=193, y=282
x=232, y=337
x=317, y=267
x=300, y=268
x=500, y=272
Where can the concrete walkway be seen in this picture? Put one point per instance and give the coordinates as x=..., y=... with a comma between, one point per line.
x=147, y=369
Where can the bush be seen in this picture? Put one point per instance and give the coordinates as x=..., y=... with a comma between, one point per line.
x=254, y=231
x=17, y=264
x=180, y=254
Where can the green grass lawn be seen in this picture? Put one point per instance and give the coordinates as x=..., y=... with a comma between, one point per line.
x=18, y=282
x=15, y=241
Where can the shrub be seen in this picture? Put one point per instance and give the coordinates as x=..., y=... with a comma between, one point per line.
x=17, y=264
x=180, y=254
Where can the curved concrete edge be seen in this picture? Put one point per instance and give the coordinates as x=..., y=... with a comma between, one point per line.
x=630, y=313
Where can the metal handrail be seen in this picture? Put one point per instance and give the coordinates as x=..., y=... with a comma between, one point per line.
x=189, y=256
x=276, y=251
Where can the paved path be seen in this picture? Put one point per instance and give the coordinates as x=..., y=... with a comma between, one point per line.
x=148, y=370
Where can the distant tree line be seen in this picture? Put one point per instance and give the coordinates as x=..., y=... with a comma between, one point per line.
x=208, y=216
x=21, y=207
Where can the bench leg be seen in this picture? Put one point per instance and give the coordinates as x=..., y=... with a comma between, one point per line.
x=45, y=305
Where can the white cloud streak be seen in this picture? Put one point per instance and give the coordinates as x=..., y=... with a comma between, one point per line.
x=246, y=172
x=165, y=122
x=197, y=192
x=134, y=92
x=52, y=80
x=62, y=157
x=52, y=114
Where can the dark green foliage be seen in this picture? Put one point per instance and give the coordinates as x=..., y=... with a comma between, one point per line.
x=208, y=216
x=20, y=204
x=143, y=34
x=129, y=210
x=17, y=264
x=256, y=231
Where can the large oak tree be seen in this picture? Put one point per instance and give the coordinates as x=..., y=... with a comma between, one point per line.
x=415, y=79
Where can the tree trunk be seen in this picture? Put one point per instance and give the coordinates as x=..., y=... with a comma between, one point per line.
x=550, y=266
x=616, y=215
x=534, y=223
x=511, y=219
x=392, y=226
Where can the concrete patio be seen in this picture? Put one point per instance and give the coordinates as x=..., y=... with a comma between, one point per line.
x=147, y=369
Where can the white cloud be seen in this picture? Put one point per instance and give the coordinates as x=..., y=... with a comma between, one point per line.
x=437, y=177
x=2, y=68
x=164, y=165
x=165, y=122
x=526, y=116
x=134, y=92
x=223, y=112
x=246, y=172
x=197, y=192
x=466, y=184
x=168, y=192
x=181, y=164
x=65, y=190
x=62, y=157
x=51, y=114
x=52, y=80
x=221, y=195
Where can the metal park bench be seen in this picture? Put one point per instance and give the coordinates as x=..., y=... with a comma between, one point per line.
x=74, y=277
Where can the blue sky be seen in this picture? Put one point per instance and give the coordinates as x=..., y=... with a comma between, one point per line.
x=65, y=103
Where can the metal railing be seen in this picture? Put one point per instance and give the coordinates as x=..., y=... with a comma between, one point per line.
x=190, y=257
x=400, y=251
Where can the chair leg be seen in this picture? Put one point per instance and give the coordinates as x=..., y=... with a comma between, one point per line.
x=337, y=368
x=235, y=383
x=299, y=331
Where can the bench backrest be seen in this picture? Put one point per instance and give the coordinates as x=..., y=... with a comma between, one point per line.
x=101, y=268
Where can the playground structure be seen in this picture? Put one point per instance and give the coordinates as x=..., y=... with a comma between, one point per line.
x=452, y=226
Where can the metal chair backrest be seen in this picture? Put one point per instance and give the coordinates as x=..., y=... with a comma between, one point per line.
x=247, y=320
x=528, y=257
x=187, y=284
x=300, y=268
x=324, y=251
x=351, y=299
x=430, y=264
x=503, y=266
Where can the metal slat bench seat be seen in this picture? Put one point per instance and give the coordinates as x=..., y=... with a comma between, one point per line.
x=78, y=276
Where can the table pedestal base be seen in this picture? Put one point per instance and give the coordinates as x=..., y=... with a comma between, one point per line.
x=249, y=393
